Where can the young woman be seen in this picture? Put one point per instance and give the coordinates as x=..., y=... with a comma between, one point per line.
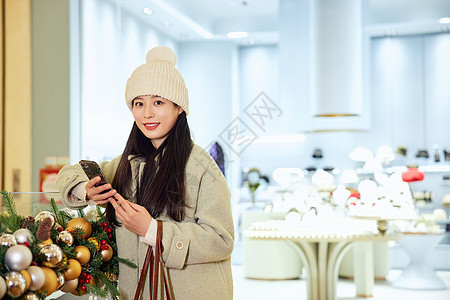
x=162, y=175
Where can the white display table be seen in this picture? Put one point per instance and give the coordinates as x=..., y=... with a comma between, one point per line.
x=268, y=259
x=321, y=253
x=419, y=274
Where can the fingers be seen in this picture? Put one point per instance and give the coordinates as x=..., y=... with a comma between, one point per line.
x=115, y=204
x=124, y=203
x=91, y=183
x=136, y=206
x=134, y=217
x=101, y=202
x=119, y=210
x=99, y=193
x=118, y=202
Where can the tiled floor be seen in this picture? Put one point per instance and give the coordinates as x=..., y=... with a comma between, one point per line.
x=247, y=289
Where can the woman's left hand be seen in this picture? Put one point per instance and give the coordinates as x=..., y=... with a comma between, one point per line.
x=134, y=217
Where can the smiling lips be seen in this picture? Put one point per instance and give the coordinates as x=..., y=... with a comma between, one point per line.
x=151, y=126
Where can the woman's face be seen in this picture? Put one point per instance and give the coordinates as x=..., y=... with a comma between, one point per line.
x=155, y=117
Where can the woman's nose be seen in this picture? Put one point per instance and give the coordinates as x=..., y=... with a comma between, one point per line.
x=148, y=112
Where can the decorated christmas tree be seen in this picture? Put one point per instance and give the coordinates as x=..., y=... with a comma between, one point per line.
x=56, y=251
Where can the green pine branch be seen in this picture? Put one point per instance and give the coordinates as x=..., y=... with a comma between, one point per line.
x=125, y=261
x=81, y=213
x=61, y=216
x=10, y=219
x=91, y=289
x=110, y=286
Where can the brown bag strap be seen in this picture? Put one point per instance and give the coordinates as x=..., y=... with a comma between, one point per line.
x=159, y=262
x=148, y=258
x=156, y=261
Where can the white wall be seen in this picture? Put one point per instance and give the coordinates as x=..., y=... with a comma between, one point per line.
x=111, y=48
x=207, y=68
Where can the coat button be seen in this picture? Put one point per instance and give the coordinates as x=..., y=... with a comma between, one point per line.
x=179, y=245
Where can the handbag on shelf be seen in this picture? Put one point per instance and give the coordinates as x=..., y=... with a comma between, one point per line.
x=156, y=262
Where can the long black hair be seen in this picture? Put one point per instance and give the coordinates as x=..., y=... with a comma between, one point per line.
x=161, y=187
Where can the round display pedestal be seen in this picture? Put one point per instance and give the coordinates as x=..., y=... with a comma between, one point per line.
x=419, y=275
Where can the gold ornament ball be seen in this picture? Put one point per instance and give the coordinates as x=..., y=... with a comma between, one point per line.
x=73, y=270
x=15, y=283
x=8, y=240
x=70, y=285
x=2, y=287
x=65, y=237
x=30, y=296
x=83, y=254
x=95, y=241
x=45, y=214
x=61, y=280
x=107, y=254
x=80, y=223
x=37, y=277
x=27, y=277
x=52, y=254
x=51, y=281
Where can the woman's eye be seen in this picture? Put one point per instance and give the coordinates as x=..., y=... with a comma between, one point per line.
x=158, y=102
x=138, y=104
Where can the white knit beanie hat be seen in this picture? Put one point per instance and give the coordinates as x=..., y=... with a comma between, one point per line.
x=158, y=77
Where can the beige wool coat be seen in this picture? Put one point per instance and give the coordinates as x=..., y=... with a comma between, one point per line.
x=197, y=250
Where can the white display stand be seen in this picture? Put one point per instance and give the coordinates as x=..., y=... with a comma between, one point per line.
x=419, y=275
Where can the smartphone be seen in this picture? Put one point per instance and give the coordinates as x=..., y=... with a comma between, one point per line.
x=92, y=169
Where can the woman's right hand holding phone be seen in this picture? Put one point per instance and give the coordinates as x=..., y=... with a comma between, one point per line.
x=99, y=194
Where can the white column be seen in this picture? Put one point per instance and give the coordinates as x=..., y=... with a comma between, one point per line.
x=337, y=57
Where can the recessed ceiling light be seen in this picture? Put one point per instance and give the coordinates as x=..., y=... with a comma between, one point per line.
x=391, y=32
x=251, y=41
x=445, y=20
x=237, y=35
x=147, y=11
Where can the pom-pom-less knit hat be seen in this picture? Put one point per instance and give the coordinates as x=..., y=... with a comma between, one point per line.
x=158, y=77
